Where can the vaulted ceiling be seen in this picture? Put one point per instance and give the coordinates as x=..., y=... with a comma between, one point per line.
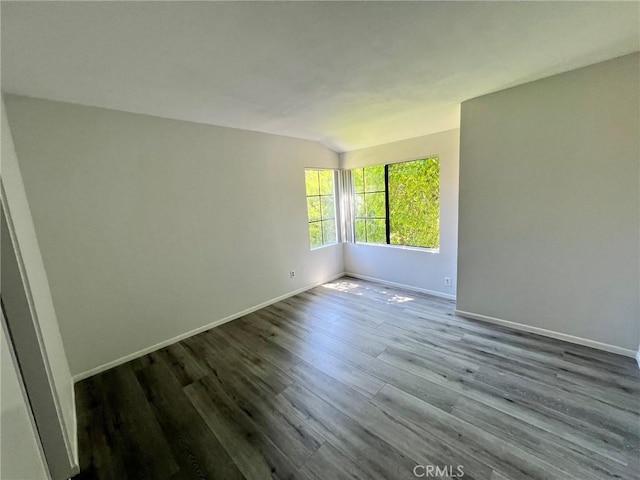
x=348, y=74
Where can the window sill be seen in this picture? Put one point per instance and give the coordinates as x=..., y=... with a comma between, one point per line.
x=324, y=246
x=435, y=251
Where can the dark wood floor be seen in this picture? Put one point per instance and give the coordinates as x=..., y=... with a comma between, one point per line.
x=356, y=380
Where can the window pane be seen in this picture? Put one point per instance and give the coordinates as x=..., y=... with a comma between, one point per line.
x=375, y=205
x=313, y=208
x=374, y=178
x=311, y=182
x=315, y=234
x=321, y=209
x=361, y=231
x=328, y=207
x=358, y=180
x=376, y=231
x=361, y=211
x=326, y=182
x=329, y=231
x=414, y=203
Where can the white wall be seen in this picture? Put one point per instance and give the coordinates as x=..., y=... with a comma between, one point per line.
x=20, y=455
x=54, y=353
x=417, y=268
x=151, y=228
x=549, y=205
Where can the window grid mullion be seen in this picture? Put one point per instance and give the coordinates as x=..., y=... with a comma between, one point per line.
x=386, y=204
x=364, y=199
x=321, y=216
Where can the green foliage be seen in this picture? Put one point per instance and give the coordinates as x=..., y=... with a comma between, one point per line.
x=320, y=207
x=368, y=179
x=311, y=182
x=315, y=234
x=313, y=209
x=358, y=180
x=371, y=230
x=326, y=182
x=361, y=230
x=375, y=204
x=413, y=196
x=374, y=178
x=327, y=206
x=414, y=203
x=329, y=231
x=360, y=207
x=376, y=231
x=370, y=208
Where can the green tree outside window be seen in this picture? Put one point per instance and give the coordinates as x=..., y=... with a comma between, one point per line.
x=321, y=209
x=399, y=203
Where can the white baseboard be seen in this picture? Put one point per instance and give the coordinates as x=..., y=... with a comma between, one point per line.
x=484, y=318
x=76, y=451
x=550, y=333
x=402, y=285
x=191, y=333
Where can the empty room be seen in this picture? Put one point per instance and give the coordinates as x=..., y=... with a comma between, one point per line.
x=320, y=240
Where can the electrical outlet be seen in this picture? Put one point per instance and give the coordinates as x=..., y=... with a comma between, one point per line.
x=447, y=281
x=292, y=274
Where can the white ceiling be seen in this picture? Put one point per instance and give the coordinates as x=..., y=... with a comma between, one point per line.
x=349, y=74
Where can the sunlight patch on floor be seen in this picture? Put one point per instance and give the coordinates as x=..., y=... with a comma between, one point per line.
x=354, y=288
x=399, y=299
x=343, y=286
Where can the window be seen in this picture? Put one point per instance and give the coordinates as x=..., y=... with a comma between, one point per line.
x=399, y=203
x=370, y=204
x=321, y=207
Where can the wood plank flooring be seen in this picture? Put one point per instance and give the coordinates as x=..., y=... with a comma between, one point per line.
x=355, y=380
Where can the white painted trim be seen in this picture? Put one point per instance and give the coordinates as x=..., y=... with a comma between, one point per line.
x=76, y=464
x=73, y=455
x=434, y=251
x=402, y=285
x=191, y=333
x=549, y=333
x=25, y=397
